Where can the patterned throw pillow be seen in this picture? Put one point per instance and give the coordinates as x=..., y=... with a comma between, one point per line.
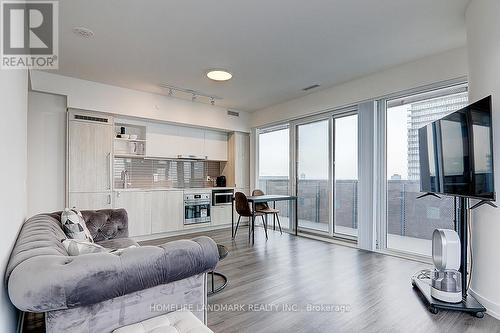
x=76, y=247
x=74, y=226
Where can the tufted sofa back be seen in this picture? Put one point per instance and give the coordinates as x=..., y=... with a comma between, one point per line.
x=41, y=235
x=103, y=224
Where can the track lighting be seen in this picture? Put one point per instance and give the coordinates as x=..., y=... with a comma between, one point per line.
x=182, y=92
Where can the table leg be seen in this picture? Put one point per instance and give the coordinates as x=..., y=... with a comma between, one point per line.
x=274, y=216
x=253, y=222
x=296, y=217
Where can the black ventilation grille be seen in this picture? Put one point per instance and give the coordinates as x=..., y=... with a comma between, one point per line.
x=89, y=118
x=233, y=113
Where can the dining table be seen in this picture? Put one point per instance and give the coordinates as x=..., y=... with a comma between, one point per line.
x=255, y=199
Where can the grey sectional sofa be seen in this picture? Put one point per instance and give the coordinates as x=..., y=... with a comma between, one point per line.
x=100, y=292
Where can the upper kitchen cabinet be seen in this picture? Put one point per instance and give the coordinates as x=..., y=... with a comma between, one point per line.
x=237, y=168
x=163, y=141
x=216, y=145
x=192, y=142
x=171, y=141
x=90, y=146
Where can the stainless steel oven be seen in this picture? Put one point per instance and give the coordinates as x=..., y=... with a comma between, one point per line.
x=196, y=208
x=222, y=197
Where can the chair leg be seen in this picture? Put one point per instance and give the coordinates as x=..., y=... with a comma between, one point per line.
x=237, y=225
x=249, y=228
x=279, y=224
x=265, y=224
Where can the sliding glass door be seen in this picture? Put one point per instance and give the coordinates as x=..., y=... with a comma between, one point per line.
x=274, y=166
x=326, y=174
x=346, y=176
x=313, y=175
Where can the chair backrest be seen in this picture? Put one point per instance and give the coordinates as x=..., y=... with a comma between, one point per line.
x=257, y=192
x=259, y=206
x=242, y=206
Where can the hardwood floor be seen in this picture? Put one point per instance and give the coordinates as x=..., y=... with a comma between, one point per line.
x=295, y=271
x=372, y=291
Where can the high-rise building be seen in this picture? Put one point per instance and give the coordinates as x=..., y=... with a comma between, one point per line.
x=422, y=113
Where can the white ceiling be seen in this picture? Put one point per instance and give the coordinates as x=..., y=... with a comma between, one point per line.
x=273, y=48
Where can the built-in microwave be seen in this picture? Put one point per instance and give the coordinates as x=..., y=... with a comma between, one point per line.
x=196, y=208
x=222, y=197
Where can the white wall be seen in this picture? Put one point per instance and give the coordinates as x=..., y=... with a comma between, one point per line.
x=483, y=43
x=46, y=152
x=13, y=106
x=88, y=95
x=444, y=66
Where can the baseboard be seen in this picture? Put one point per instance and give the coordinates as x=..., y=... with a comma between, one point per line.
x=493, y=309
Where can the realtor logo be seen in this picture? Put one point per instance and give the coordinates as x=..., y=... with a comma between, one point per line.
x=29, y=36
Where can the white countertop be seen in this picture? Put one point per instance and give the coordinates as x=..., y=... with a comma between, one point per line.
x=187, y=189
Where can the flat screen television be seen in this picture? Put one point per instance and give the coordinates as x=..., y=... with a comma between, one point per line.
x=456, y=153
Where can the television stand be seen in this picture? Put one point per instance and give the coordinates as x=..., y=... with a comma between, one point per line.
x=469, y=304
x=422, y=284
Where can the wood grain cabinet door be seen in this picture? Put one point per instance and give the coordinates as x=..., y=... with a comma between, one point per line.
x=138, y=207
x=90, y=154
x=167, y=211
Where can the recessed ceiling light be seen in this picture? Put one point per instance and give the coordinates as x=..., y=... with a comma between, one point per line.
x=83, y=32
x=219, y=75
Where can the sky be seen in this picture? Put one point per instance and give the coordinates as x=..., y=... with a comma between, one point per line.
x=313, y=149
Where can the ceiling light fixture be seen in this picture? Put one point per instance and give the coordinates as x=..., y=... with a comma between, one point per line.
x=219, y=75
x=83, y=32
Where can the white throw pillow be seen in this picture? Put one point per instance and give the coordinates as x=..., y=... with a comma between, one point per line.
x=74, y=226
x=76, y=247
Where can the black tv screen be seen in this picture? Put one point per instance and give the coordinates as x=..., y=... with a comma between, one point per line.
x=456, y=153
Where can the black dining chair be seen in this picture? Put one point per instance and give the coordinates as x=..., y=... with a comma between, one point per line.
x=264, y=208
x=243, y=209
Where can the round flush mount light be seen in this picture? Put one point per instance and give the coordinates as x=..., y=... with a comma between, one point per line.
x=219, y=75
x=83, y=32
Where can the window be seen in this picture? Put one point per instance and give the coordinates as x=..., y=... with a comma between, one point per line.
x=410, y=222
x=274, y=166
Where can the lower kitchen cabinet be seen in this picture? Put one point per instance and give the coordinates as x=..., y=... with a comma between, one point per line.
x=221, y=215
x=90, y=201
x=138, y=206
x=167, y=211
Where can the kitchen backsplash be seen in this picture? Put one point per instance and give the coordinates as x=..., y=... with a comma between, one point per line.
x=150, y=173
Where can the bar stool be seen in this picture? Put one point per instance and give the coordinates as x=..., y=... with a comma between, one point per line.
x=264, y=208
x=243, y=209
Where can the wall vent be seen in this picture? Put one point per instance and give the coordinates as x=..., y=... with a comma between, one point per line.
x=233, y=113
x=310, y=87
x=90, y=118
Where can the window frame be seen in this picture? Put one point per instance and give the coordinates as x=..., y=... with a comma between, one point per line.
x=381, y=165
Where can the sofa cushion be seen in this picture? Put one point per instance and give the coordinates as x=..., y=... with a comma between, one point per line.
x=174, y=322
x=118, y=243
x=74, y=225
x=76, y=247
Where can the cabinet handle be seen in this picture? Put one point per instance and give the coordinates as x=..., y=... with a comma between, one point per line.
x=109, y=199
x=108, y=162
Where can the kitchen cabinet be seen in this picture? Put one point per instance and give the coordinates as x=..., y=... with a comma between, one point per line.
x=215, y=145
x=89, y=161
x=167, y=211
x=138, y=207
x=90, y=201
x=170, y=141
x=192, y=141
x=221, y=215
x=237, y=168
x=163, y=141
